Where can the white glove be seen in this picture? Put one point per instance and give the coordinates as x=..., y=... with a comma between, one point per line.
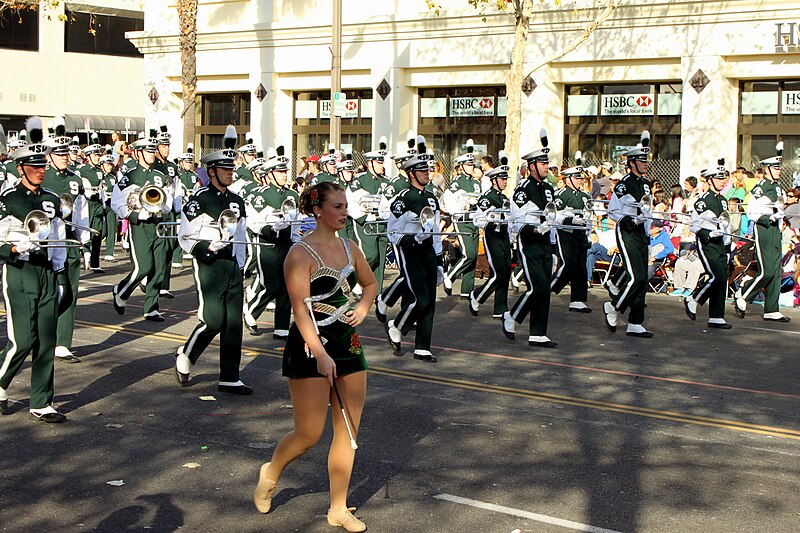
x=715, y=233
x=25, y=247
x=639, y=219
x=578, y=220
x=60, y=293
x=280, y=225
x=421, y=236
x=543, y=228
x=143, y=215
x=217, y=245
x=439, y=275
x=776, y=216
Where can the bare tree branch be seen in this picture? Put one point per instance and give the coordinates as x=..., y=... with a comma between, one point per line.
x=611, y=5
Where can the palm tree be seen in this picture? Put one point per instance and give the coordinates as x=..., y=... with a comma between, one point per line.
x=187, y=20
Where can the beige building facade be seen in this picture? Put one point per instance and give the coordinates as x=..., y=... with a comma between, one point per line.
x=61, y=68
x=708, y=78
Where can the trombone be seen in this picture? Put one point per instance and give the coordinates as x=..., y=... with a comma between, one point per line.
x=38, y=227
x=427, y=218
x=550, y=214
x=724, y=225
x=288, y=211
x=66, y=206
x=226, y=226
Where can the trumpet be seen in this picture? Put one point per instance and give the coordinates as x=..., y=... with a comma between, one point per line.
x=38, y=227
x=66, y=206
x=427, y=218
x=151, y=198
x=226, y=226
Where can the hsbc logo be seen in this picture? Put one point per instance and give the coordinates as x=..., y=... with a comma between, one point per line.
x=350, y=106
x=472, y=106
x=627, y=104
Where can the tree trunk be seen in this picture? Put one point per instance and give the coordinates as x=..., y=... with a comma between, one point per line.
x=523, y=13
x=187, y=19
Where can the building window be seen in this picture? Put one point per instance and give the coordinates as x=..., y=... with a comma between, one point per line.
x=312, y=124
x=217, y=111
x=449, y=116
x=20, y=31
x=87, y=33
x=769, y=111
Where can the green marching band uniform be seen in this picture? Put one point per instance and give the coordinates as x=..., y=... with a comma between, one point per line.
x=92, y=176
x=186, y=184
x=633, y=224
x=366, y=204
x=331, y=297
x=218, y=254
x=459, y=200
x=8, y=170
x=767, y=200
x=346, y=170
x=145, y=246
x=712, y=247
x=327, y=163
x=109, y=217
x=534, y=248
x=491, y=216
x=572, y=243
x=244, y=181
x=393, y=187
x=68, y=184
x=419, y=255
x=166, y=247
x=33, y=279
x=273, y=218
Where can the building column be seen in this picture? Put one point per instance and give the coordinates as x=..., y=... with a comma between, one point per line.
x=709, y=119
x=398, y=114
x=544, y=108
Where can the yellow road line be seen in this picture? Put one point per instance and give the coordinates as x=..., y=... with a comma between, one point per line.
x=497, y=389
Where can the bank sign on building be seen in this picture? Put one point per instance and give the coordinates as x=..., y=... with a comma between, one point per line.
x=709, y=78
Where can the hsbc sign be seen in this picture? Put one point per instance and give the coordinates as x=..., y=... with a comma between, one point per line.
x=472, y=106
x=627, y=104
x=350, y=109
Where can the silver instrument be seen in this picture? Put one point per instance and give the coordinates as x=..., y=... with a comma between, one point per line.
x=66, y=206
x=427, y=219
x=38, y=227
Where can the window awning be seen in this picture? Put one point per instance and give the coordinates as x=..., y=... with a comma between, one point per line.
x=103, y=124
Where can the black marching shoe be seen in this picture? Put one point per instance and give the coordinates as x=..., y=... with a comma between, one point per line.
x=543, y=344
x=241, y=389
x=689, y=313
x=640, y=334
x=508, y=331
x=714, y=325
x=380, y=316
x=163, y=293
x=154, y=316
x=4, y=406
x=50, y=418
x=120, y=309
x=474, y=305
x=781, y=319
x=180, y=377
x=580, y=310
x=396, y=345
x=98, y=270
x=252, y=329
x=425, y=355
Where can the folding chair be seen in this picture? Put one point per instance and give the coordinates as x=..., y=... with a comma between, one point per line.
x=663, y=276
x=604, y=269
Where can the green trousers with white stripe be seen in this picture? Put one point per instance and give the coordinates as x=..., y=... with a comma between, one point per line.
x=633, y=244
x=110, y=231
x=270, y=284
x=498, y=254
x=66, y=322
x=768, y=276
x=374, y=248
x=715, y=262
x=220, y=294
x=146, y=249
x=464, y=266
x=31, y=314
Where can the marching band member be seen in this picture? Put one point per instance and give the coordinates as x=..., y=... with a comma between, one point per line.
x=92, y=176
x=345, y=171
x=766, y=208
x=167, y=247
x=391, y=295
x=712, y=247
x=535, y=251
x=218, y=264
x=572, y=244
x=327, y=163
x=633, y=227
x=143, y=217
x=33, y=279
x=496, y=241
x=367, y=203
x=186, y=184
x=60, y=180
x=9, y=169
x=419, y=254
x=109, y=217
x=271, y=211
x=243, y=175
x=459, y=200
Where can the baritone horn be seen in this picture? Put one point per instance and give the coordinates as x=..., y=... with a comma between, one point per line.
x=226, y=225
x=150, y=198
x=427, y=219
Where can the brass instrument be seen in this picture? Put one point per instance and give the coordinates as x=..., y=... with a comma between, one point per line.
x=226, y=226
x=66, y=206
x=150, y=198
x=288, y=211
x=550, y=214
x=38, y=227
x=427, y=218
x=724, y=225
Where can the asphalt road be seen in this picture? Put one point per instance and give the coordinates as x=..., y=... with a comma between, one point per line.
x=693, y=430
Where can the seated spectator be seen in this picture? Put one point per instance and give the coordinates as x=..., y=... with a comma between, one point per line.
x=602, y=251
x=687, y=272
x=735, y=209
x=736, y=186
x=602, y=184
x=792, y=210
x=660, y=247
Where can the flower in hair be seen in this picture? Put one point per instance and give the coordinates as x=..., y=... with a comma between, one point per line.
x=314, y=196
